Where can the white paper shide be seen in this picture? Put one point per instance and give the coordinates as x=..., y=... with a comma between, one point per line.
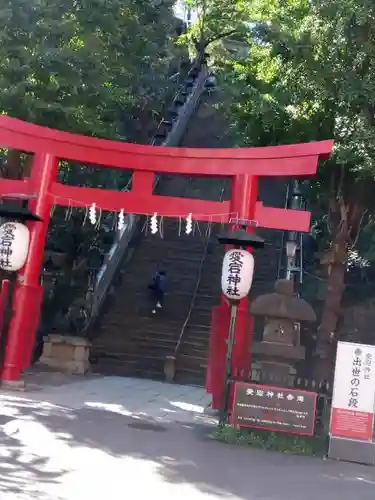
x=237, y=274
x=14, y=245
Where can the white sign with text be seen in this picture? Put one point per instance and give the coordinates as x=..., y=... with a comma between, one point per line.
x=353, y=399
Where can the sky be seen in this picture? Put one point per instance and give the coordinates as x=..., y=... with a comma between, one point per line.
x=180, y=10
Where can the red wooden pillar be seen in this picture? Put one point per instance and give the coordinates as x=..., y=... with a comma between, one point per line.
x=5, y=285
x=243, y=201
x=28, y=293
x=243, y=204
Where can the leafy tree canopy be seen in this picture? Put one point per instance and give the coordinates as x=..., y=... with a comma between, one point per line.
x=81, y=66
x=309, y=75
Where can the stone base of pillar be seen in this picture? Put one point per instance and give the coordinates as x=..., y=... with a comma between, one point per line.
x=67, y=354
x=13, y=385
x=170, y=368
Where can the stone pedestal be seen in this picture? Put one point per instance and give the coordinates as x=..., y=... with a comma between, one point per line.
x=68, y=354
x=275, y=362
x=273, y=373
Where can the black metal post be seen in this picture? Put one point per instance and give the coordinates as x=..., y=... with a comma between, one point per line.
x=7, y=316
x=228, y=364
x=240, y=239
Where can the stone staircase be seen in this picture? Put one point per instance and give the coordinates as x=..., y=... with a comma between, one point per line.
x=131, y=341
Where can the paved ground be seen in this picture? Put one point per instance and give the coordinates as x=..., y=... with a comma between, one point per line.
x=114, y=438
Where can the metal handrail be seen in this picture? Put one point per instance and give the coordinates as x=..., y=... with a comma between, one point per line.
x=195, y=293
x=109, y=267
x=280, y=261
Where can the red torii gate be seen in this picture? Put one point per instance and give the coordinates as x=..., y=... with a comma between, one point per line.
x=243, y=165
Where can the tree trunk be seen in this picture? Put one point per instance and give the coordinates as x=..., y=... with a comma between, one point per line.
x=326, y=340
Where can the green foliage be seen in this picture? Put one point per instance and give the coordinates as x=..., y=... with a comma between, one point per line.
x=275, y=441
x=81, y=66
x=309, y=75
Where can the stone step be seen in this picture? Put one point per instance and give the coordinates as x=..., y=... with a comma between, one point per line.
x=206, y=301
x=189, y=349
x=169, y=314
x=174, y=242
x=194, y=333
x=187, y=257
x=131, y=343
x=196, y=368
x=141, y=296
x=190, y=377
x=180, y=266
x=192, y=356
x=181, y=298
x=201, y=316
x=177, y=278
x=140, y=293
x=197, y=343
x=174, y=267
x=154, y=322
x=151, y=357
x=127, y=369
x=136, y=333
x=197, y=331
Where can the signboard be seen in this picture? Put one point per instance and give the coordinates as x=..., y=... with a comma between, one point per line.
x=274, y=408
x=352, y=413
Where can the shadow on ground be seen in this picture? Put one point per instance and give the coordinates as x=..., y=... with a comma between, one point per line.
x=35, y=435
x=19, y=471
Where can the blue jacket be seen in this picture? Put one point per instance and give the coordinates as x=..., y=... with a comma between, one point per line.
x=159, y=282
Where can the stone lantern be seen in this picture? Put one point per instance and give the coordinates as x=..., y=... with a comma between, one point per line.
x=280, y=348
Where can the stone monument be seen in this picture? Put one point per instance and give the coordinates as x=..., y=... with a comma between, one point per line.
x=280, y=348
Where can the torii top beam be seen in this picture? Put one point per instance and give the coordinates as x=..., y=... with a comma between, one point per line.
x=145, y=161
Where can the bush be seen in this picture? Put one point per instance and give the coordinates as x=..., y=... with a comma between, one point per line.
x=277, y=441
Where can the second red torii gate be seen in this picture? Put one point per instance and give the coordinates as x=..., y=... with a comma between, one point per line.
x=243, y=165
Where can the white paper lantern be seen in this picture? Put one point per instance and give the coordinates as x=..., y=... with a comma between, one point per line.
x=237, y=274
x=14, y=245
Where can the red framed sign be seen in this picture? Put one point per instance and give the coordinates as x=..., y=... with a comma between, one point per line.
x=276, y=409
x=353, y=402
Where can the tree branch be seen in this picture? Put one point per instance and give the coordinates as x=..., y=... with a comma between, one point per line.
x=202, y=23
x=359, y=228
x=225, y=34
